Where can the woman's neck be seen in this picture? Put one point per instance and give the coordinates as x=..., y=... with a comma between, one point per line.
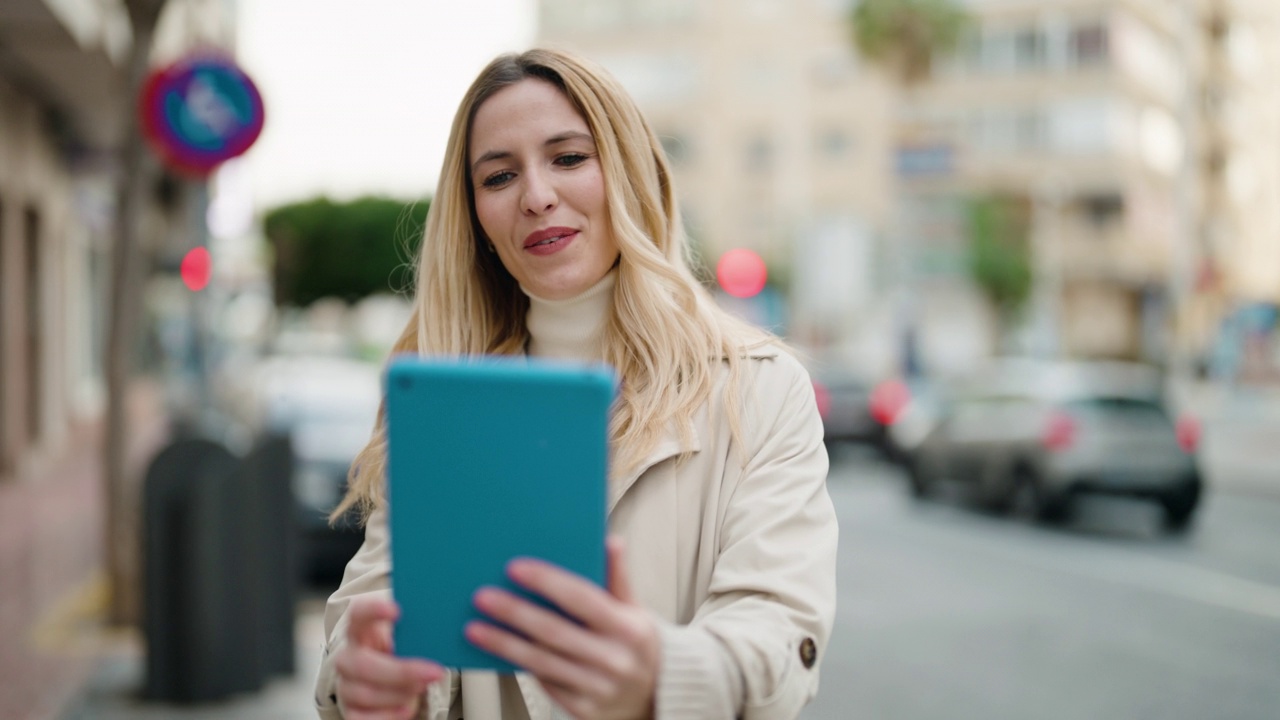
x=571, y=329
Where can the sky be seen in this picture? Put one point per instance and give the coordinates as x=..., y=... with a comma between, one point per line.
x=359, y=96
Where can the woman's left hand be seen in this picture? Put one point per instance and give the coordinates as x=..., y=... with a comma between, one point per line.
x=604, y=669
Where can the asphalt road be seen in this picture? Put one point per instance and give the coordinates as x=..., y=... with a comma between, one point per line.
x=946, y=613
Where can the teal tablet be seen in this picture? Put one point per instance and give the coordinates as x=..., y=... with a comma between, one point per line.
x=489, y=460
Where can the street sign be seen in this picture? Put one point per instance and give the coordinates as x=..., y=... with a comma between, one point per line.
x=200, y=112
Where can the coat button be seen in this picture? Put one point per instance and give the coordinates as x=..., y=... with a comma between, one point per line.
x=808, y=652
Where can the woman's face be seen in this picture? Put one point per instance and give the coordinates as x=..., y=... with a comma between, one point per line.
x=539, y=190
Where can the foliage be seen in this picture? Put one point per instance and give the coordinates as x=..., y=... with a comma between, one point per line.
x=343, y=249
x=999, y=249
x=908, y=35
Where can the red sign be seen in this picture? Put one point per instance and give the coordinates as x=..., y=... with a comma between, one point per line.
x=200, y=112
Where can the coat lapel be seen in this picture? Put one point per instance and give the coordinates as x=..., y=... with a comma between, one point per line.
x=669, y=446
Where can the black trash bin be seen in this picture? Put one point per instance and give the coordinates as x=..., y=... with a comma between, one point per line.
x=219, y=586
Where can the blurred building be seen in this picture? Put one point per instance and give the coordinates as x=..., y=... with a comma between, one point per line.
x=1142, y=136
x=780, y=138
x=61, y=106
x=1071, y=108
x=1233, y=282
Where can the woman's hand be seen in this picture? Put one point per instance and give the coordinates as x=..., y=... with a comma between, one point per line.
x=372, y=683
x=604, y=669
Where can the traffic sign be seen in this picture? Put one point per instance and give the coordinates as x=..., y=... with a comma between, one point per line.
x=200, y=112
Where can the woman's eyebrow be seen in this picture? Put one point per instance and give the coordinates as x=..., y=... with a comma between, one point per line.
x=553, y=140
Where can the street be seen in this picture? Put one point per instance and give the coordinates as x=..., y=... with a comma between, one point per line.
x=948, y=613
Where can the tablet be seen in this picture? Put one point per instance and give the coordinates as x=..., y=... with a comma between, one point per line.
x=489, y=460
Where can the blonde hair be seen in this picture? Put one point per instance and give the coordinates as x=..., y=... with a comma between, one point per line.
x=665, y=337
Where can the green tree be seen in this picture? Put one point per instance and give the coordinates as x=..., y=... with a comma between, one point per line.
x=999, y=231
x=343, y=249
x=907, y=36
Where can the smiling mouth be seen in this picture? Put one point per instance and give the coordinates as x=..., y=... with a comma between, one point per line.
x=548, y=236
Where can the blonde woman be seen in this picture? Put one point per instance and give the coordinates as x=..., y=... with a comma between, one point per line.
x=555, y=233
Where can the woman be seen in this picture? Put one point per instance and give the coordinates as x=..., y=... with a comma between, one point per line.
x=555, y=233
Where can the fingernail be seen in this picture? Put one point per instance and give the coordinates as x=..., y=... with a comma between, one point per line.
x=518, y=570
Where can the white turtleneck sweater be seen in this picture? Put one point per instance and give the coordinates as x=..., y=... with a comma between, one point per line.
x=571, y=329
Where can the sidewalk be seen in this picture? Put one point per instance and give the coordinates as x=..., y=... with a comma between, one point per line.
x=1240, y=444
x=111, y=693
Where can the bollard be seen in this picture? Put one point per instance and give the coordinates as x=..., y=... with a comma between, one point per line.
x=192, y=652
x=269, y=550
x=219, y=577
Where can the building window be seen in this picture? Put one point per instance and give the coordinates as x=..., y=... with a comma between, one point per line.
x=1102, y=209
x=1028, y=49
x=759, y=154
x=1030, y=129
x=833, y=144
x=997, y=55
x=1089, y=45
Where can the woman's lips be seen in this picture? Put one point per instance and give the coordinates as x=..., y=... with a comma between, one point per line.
x=549, y=241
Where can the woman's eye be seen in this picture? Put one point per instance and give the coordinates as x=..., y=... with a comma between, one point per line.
x=571, y=159
x=497, y=179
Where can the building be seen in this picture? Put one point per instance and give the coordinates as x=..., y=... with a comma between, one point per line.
x=1070, y=108
x=1233, y=285
x=60, y=123
x=779, y=136
x=1141, y=133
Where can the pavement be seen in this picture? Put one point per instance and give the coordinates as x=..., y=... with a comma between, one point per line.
x=113, y=689
x=1240, y=453
x=1240, y=443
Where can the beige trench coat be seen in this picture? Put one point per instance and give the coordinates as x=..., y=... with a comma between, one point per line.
x=733, y=552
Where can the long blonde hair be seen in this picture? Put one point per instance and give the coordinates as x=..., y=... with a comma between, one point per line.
x=665, y=336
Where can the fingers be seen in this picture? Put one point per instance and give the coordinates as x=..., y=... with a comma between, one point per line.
x=371, y=623
x=573, y=594
x=543, y=626
x=534, y=658
x=375, y=682
x=619, y=581
x=371, y=682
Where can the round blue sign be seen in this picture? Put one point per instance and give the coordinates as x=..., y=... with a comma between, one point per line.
x=200, y=112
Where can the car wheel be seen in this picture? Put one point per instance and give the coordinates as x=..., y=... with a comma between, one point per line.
x=918, y=480
x=1053, y=506
x=1180, y=505
x=1023, y=494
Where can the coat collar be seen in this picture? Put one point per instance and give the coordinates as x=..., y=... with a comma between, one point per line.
x=668, y=446
x=671, y=444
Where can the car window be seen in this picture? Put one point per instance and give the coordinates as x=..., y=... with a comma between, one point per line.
x=1125, y=410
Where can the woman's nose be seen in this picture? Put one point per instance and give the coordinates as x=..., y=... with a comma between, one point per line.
x=539, y=194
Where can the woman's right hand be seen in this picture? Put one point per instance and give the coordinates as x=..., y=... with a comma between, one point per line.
x=372, y=683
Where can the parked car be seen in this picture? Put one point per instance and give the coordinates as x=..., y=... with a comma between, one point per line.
x=1031, y=436
x=843, y=402
x=328, y=406
x=914, y=420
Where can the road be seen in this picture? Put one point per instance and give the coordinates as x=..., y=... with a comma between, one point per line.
x=946, y=613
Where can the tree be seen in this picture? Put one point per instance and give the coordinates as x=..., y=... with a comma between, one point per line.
x=907, y=36
x=137, y=175
x=999, y=231
x=343, y=249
